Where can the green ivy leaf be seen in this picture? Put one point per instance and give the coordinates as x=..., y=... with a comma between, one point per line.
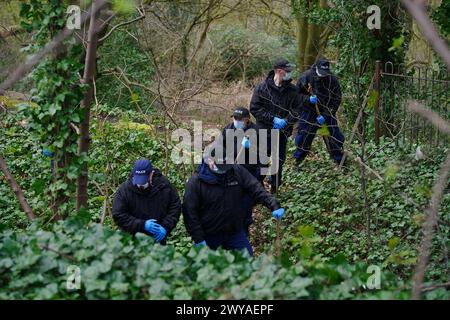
x=391, y=172
x=393, y=243
x=397, y=43
x=75, y=118
x=323, y=131
x=38, y=186
x=53, y=108
x=306, y=231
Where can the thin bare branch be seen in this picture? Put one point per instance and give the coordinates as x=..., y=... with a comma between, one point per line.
x=26, y=67
x=17, y=190
x=433, y=117
x=142, y=16
x=436, y=286
x=429, y=227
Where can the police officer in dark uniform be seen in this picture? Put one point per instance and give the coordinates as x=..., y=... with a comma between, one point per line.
x=321, y=87
x=213, y=209
x=275, y=104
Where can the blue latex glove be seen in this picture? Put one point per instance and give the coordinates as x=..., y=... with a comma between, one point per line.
x=48, y=153
x=246, y=143
x=150, y=226
x=160, y=233
x=320, y=120
x=277, y=214
x=200, y=244
x=279, y=123
x=313, y=99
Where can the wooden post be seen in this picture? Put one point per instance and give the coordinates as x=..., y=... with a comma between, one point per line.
x=377, y=88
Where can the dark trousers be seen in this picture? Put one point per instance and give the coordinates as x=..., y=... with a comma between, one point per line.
x=237, y=241
x=275, y=180
x=307, y=129
x=248, y=202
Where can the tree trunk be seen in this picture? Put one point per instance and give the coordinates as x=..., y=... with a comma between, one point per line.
x=302, y=37
x=16, y=188
x=88, y=78
x=312, y=44
x=309, y=42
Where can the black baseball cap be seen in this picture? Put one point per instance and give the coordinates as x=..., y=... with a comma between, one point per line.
x=323, y=67
x=240, y=113
x=283, y=64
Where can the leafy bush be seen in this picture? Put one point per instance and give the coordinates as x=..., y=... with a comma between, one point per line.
x=440, y=15
x=330, y=202
x=245, y=54
x=114, y=265
x=135, y=63
x=115, y=147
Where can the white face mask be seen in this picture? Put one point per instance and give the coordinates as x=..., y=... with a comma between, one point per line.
x=319, y=74
x=239, y=124
x=287, y=76
x=143, y=186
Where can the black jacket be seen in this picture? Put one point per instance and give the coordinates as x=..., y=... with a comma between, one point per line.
x=132, y=206
x=327, y=90
x=269, y=101
x=216, y=207
x=222, y=141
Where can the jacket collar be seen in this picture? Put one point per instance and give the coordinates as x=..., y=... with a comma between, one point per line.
x=206, y=175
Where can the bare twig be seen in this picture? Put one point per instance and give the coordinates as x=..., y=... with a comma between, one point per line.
x=11, y=31
x=433, y=117
x=64, y=255
x=26, y=67
x=436, y=286
x=429, y=226
x=142, y=16
x=17, y=190
x=358, y=120
x=75, y=128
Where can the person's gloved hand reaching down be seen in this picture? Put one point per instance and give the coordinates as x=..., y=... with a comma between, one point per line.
x=277, y=214
x=158, y=231
x=201, y=244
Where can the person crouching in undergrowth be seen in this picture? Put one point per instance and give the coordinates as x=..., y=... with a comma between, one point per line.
x=147, y=202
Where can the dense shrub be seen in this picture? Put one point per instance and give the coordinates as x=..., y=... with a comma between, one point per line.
x=34, y=265
x=245, y=54
x=115, y=147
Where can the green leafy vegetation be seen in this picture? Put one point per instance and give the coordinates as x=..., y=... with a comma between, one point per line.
x=326, y=211
x=115, y=145
x=152, y=73
x=245, y=54
x=113, y=265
